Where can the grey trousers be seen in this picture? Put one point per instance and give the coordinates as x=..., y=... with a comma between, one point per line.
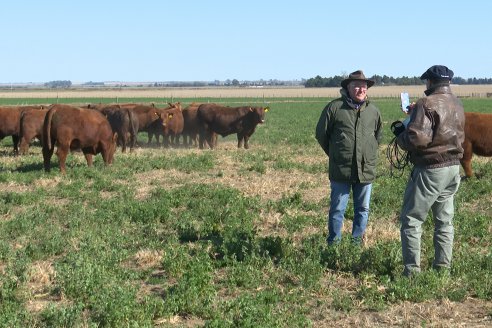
x=429, y=189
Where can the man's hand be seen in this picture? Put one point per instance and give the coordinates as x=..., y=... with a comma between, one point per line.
x=397, y=127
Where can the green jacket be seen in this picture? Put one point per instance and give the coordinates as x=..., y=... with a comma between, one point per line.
x=350, y=137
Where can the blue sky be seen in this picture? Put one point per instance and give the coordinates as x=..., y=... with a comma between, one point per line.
x=184, y=40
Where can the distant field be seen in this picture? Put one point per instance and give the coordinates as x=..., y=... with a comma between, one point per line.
x=378, y=91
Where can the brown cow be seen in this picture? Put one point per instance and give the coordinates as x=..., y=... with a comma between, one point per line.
x=72, y=128
x=10, y=123
x=228, y=120
x=149, y=120
x=191, y=126
x=478, y=139
x=172, y=124
x=124, y=122
x=31, y=126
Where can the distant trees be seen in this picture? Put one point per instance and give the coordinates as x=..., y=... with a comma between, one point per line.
x=65, y=84
x=320, y=82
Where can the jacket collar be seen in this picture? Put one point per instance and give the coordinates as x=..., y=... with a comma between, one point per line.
x=353, y=104
x=438, y=88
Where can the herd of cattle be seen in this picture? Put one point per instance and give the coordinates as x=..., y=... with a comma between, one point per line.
x=101, y=128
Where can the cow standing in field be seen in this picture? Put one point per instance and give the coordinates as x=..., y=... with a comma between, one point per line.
x=191, y=125
x=72, y=128
x=149, y=120
x=124, y=122
x=478, y=139
x=10, y=123
x=172, y=124
x=31, y=126
x=223, y=120
x=191, y=128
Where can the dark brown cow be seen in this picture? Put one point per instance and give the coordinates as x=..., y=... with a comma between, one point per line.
x=478, y=139
x=124, y=122
x=191, y=125
x=228, y=120
x=72, y=128
x=31, y=126
x=10, y=123
x=172, y=124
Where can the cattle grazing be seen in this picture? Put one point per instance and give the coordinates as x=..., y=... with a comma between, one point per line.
x=223, y=120
x=72, y=128
x=31, y=126
x=172, y=124
x=124, y=122
x=478, y=139
x=10, y=123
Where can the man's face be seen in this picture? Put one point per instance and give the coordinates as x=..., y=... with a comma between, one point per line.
x=357, y=90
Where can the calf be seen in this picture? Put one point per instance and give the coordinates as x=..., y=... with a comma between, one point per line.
x=72, y=128
x=478, y=139
x=222, y=120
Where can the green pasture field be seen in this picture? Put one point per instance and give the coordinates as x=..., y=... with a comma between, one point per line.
x=227, y=238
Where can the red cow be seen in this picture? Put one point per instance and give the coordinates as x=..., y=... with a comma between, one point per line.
x=478, y=139
x=149, y=120
x=228, y=120
x=10, y=123
x=191, y=126
x=31, y=126
x=72, y=128
x=124, y=122
x=172, y=124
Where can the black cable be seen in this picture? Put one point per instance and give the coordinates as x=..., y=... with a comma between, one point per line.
x=397, y=157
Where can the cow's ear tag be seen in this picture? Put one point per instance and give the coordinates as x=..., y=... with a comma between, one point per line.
x=267, y=109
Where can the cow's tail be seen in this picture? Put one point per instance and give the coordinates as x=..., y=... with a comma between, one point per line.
x=133, y=127
x=47, y=128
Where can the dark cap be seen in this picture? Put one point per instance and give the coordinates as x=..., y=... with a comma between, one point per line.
x=356, y=76
x=437, y=72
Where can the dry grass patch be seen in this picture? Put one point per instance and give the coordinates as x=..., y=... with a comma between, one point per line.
x=40, y=279
x=147, y=258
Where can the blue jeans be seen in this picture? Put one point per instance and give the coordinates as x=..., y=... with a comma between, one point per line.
x=340, y=193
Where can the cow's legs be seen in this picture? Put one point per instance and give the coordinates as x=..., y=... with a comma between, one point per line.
x=467, y=157
x=240, y=139
x=211, y=139
x=47, y=154
x=88, y=158
x=62, y=152
x=15, y=141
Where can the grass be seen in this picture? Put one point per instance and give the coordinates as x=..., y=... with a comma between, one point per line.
x=227, y=238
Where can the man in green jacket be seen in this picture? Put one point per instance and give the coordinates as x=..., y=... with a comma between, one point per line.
x=349, y=131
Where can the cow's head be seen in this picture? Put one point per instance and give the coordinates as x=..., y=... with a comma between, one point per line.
x=166, y=117
x=259, y=113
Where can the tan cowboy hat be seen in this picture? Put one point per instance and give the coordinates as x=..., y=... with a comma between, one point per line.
x=356, y=76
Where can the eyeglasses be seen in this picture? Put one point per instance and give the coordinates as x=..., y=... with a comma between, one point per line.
x=361, y=88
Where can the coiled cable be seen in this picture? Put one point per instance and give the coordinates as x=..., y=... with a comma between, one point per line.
x=397, y=157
